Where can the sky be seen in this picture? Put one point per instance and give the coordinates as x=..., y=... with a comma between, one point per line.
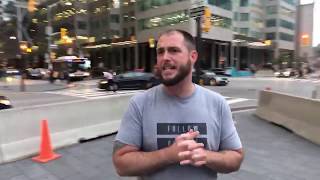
x=316, y=25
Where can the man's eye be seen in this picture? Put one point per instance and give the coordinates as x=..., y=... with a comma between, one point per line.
x=173, y=50
x=160, y=51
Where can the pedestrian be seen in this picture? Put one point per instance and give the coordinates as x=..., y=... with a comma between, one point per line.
x=109, y=76
x=177, y=130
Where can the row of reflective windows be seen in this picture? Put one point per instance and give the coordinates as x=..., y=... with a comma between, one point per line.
x=282, y=36
x=144, y=5
x=179, y=17
x=283, y=23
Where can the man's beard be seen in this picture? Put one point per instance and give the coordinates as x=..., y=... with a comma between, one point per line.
x=183, y=72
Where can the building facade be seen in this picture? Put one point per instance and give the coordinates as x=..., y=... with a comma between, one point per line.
x=273, y=20
x=154, y=17
x=121, y=34
x=305, y=34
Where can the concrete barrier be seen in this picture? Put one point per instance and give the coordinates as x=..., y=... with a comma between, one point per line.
x=68, y=122
x=301, y=115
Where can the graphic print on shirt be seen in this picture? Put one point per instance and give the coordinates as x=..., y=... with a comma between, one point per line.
x=167, y=132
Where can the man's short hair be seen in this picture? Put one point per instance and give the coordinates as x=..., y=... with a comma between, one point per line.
x=188, y=38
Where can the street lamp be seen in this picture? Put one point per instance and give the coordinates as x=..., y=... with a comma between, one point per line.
x=49, y=28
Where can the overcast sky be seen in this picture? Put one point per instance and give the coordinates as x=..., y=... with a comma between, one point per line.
x=316, y=21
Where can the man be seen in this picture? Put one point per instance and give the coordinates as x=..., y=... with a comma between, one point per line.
x=177, y=130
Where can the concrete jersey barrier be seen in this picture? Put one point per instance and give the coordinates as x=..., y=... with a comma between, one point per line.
x=68, y=122
x=301, y=115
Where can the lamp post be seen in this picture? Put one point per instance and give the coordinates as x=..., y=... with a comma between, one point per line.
x=49, y=28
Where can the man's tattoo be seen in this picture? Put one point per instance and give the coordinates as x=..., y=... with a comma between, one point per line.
x=117, y=145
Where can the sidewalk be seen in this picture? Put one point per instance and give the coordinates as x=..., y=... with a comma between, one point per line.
x=271, y=153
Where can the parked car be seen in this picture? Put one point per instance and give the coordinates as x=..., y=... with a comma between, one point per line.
x=10, y=72
x=208, y=77
x=4, y=103
x=219, y=71
x=37, y=73
x=285, y=73
x=130, y=80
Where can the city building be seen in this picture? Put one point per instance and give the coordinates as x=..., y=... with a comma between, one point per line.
x=114, y=31
x=154, y=17
x=274, y=21
x=305, y=31
x=4, y=16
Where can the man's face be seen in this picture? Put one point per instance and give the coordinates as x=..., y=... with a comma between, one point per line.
x=174, y=60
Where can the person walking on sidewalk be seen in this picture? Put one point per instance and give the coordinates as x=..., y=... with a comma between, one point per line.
x=177, y=130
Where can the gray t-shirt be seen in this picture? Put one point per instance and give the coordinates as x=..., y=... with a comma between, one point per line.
x=154, y=119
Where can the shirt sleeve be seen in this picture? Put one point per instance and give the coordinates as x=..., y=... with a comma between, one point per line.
x=229, y=139
x=130, y=131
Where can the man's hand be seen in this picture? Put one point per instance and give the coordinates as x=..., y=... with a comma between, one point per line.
x=189, y=151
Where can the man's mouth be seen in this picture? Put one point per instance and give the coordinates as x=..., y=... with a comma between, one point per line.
x=168, y=67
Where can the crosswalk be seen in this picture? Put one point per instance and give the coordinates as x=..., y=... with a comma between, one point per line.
x=91, y=93
x=99, y=94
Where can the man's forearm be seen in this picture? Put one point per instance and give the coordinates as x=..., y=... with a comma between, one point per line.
x=224, y=161
x=137, y=163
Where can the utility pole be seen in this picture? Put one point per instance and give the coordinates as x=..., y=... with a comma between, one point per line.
x=21, y=6
x=199, y=13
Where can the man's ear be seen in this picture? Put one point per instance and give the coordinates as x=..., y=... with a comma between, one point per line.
x=193, y=56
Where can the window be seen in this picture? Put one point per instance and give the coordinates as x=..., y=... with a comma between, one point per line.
x=271, y=23
x=115, y=18
x=144, y=5
x=286, y=24
x=225, y=4
x=82, y=25
x=244, y=31
x=164, y=20
x=272, y=10
x=292, y=2
x=271, y=36
x=235, y=16
x=244, y=3
x=244, y=17
x=286, y=37
x=255, y=34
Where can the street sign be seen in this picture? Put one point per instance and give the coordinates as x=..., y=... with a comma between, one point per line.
x=197, y=12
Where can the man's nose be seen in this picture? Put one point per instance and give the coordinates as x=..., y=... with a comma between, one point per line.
x=166, y=55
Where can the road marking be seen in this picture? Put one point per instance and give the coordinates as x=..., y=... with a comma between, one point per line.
x=98, y=94
x=237, y=100
x=91, y=93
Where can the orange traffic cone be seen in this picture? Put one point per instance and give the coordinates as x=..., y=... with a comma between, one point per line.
x=46, y=152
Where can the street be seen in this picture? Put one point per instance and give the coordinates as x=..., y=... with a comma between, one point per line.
x=268, y=147
x=41, y=93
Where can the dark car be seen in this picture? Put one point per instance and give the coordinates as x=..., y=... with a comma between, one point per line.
x=210, y=78
x=4, y=103
x=130, y=80
x=37, y=73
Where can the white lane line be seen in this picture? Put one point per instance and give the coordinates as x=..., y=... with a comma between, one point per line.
x=232, y=101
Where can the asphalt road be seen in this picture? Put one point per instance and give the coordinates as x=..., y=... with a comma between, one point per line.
x=45, y=93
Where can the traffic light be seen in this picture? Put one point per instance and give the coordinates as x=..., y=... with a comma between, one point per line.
x=63, y=33
x=151, y=42
x=23, y=45
x=206, y=20
x=305, y=40
x=32, y=5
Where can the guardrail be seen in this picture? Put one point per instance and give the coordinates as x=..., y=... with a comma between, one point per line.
x=301, y=115
x=69, y=122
